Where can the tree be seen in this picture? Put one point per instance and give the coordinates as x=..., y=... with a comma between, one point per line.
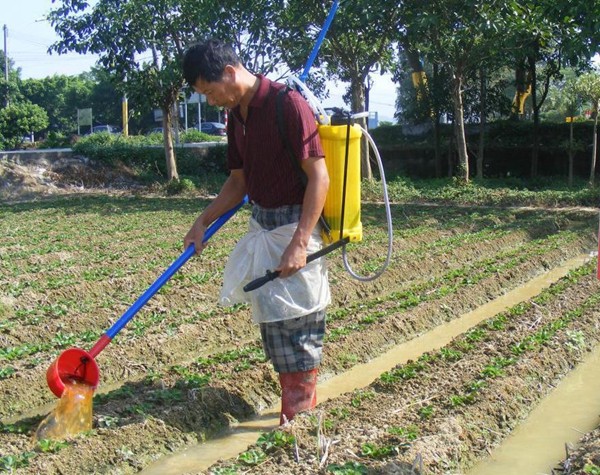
x=9, y=91
x=460, y=36
x=588, y=85
x=60, y=96
x=18, y=120
x=547, y=35
x=564, y=101
x=141, y=43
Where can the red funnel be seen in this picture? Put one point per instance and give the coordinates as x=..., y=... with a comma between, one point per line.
x=72, y=364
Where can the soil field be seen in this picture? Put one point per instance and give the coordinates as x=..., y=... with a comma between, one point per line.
x=185, y=368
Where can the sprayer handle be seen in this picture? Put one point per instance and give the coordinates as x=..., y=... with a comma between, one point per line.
x=256, y=283
x=269, y=276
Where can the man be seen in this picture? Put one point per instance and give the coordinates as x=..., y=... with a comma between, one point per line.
x=283, y=229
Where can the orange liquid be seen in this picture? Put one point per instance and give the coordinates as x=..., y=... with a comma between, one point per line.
x=72, y=415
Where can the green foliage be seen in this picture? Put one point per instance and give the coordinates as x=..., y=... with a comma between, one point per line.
x=374, y=451
x=591, y=469
x=13, y=462
x=51, y=446
x=19, y=120
x=195, y=136
x=55, y=140
x=277, y=439
x=180, y=187
x=201, y=166
x=252, y=457
x=348, y=468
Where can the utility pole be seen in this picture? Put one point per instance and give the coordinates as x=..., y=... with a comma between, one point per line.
x=6, y=64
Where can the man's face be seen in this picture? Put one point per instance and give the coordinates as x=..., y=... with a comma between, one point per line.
x=218, y=93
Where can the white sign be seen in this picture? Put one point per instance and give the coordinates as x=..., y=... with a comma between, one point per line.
x=84, y=117
x=195, y=98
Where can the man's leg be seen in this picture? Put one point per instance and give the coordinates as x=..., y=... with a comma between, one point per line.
x=295, y=349
x=298, y=393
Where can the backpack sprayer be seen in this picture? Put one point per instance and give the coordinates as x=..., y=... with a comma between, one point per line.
x=341, y=140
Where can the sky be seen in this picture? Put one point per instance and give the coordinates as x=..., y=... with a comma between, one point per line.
x=30, y=35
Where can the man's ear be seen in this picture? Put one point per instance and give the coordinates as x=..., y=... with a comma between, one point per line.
x=229, y=73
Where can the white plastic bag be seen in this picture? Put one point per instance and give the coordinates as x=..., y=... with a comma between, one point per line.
x=304, y=292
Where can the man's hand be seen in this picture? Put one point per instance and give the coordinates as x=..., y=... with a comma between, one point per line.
x=292, y=260
x=195, y=236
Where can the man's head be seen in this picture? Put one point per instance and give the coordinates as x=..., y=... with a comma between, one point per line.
x=210, y=69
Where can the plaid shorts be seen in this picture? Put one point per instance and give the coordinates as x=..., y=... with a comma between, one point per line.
x=271, y=218
x=295, y=344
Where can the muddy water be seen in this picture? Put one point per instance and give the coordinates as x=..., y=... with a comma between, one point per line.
x=537, y=445
x=237, y=440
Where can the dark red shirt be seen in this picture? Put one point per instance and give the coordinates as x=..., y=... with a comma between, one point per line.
x=256, y=145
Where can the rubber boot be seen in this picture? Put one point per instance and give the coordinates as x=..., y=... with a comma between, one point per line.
x=298, y=393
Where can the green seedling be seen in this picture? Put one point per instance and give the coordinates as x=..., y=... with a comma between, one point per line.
x=349, y=468
x=374, y=451
x=277, y=439
x=409, y=433
x=591, y=469
x=449, y=354
x=252, y=457
x=51, y=446
x=14, y=462
x=7, y=372
x=361, y=396
x=426, y=412
x=340, y=413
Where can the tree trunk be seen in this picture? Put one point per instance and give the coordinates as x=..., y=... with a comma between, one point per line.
x=594, y=149
x=459, y=128
x=436, y=128
x=535, y=151
x=482, y=124
x=168, y=142
x=357, y=89
x=571, y=151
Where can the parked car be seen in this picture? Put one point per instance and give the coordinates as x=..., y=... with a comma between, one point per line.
x=159, y=130
x=111, y=129
x=213, y=128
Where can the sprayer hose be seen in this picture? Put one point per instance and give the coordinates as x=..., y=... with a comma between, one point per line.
x=388, y=215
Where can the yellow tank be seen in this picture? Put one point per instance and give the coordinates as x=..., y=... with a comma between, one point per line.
x=333, y=138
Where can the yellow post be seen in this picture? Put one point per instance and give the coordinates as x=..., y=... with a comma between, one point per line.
x=125, y=114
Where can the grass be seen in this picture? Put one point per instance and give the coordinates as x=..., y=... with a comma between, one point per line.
x=544, y=192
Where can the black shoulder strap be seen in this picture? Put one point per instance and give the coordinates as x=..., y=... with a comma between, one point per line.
x=290, y=150
x=284, y=135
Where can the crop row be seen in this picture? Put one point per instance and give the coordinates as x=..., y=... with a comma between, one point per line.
x=431, y=289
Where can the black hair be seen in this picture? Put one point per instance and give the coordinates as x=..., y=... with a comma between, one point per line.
x=207, y=61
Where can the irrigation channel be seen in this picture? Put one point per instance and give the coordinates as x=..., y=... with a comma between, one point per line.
x=466, y=345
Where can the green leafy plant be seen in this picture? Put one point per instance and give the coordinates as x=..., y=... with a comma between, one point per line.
x=252, y=457
x=277, y=439
x=426, y=412
x=377, y=451
x=591, y=469
x=409, y=433
x=51, y=446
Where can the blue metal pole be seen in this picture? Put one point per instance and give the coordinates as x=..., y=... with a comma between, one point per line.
x=189, y=252
x=320, y=38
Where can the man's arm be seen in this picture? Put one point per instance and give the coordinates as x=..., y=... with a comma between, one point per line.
x=232, y=192
x=294, y=257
